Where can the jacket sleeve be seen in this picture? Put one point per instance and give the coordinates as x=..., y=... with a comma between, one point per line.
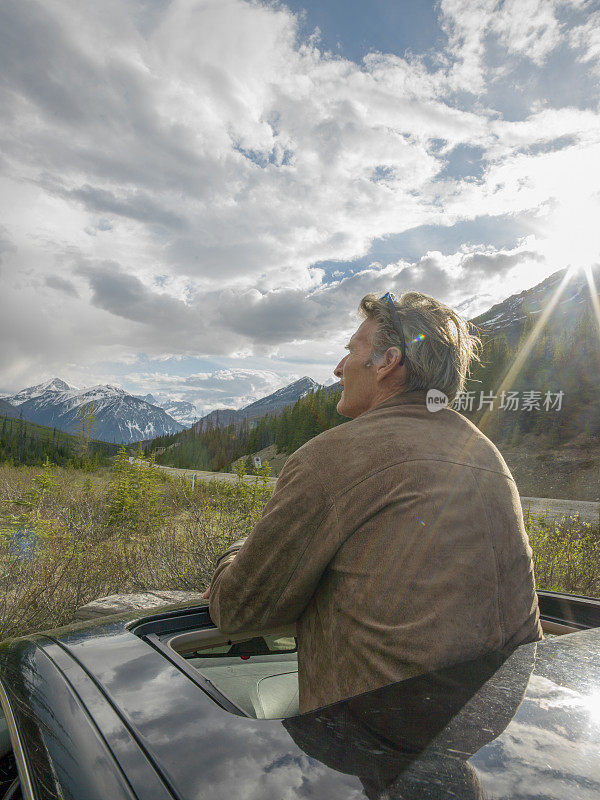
x=270, y=580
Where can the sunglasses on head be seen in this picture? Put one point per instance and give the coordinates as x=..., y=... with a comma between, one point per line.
x=389, y=298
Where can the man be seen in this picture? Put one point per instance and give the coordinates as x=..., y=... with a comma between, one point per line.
x=395, y=541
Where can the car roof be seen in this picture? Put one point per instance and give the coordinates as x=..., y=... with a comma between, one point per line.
x=488, y=727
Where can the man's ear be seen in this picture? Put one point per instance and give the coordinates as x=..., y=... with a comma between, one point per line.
x=391, y=359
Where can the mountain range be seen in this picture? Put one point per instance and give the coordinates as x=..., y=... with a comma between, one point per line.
x=266, y=405
x=121, y=416
x=508, y=317
x=118, y=415
x=184, y=412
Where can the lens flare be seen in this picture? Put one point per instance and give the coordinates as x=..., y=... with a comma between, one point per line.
x=528, y=345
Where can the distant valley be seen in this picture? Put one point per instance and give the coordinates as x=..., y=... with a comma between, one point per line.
x=123, y=417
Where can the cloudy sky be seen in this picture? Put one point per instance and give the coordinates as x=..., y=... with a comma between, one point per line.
x=196, y=194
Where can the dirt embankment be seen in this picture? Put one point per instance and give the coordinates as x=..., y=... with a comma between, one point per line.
x=570, y=471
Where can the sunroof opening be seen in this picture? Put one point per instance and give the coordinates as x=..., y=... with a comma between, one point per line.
x=257, y=671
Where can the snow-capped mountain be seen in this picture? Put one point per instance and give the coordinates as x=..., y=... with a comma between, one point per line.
x=181, y=410
x=119, y=416
x=55, y=385
x=281, y=398
x=274, y=402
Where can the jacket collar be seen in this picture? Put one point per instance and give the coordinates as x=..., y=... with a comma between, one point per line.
x=416, y=397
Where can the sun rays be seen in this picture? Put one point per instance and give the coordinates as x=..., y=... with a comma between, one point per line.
x=593, y=294
x=544, y=315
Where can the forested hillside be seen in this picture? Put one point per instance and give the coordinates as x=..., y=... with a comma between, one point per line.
x=23, y=442
x=216, y=448
x=564, y=361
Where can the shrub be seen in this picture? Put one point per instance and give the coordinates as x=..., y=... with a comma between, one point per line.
x=68, y=537
x=135, y=494
x=55, y=549
x=566, y=553
x=210, y=517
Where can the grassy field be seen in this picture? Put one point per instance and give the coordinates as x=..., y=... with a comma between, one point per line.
x=68, y=536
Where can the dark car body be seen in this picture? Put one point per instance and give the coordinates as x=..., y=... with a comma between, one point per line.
x=109, y=710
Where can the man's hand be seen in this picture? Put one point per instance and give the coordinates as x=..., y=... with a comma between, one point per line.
x=226, y=560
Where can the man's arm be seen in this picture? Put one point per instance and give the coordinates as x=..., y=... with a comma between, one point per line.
x=271, y=579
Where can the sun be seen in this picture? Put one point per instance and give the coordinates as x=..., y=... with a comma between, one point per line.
x=572, y=237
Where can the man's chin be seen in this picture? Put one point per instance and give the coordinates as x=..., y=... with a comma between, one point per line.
x=343, y=409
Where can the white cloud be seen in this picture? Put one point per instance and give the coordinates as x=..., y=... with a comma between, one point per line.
x=527, y=27
x=465, y=22
x=223, y=388
x=170, y=178
x=586, y=37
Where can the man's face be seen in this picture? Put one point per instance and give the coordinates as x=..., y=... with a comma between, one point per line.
x=359, y=382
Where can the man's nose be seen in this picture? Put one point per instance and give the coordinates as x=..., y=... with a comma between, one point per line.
x=338, y=371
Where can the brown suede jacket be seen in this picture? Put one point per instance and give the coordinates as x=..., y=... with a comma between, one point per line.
x=396, y=543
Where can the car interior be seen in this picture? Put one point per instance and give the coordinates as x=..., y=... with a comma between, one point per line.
x=258, y=671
